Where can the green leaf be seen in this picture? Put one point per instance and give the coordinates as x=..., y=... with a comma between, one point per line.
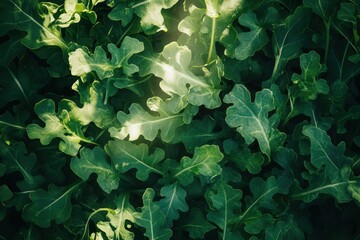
x=308, y=85
x=204, y=162
x=251, y=119
x=24, y=16
x=126, y=155
x=196, y=224
x=17, y=84
x=5, y=193
x=56, y=127
x=148, y=11
x=50, y=205
x=172, y=202
x=225, y=201
x=82, y=62
x=289, y=38
x=323, y=152
x=243, y=157
x=152, y=218
x=94, y=108
x=282, y=230
x=172, y=66
x=252, y=41
x=197, y=133
x=94, y=161
x=322, y=8
x=347, y=13
x=15, y=157
x=139, y=122
x=263, y=193
x=124, y=212
x=336, y=184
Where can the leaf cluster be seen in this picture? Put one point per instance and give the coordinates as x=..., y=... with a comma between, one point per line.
x=204, y=119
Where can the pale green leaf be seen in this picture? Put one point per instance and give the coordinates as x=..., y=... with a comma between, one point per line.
x=82, y=62
x=149, y=11
x=172, y=66
x=56, y=127
x=25, y=16
x=139, y=122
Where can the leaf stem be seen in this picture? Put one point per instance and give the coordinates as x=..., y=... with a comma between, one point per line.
x=91, y=215
x=17, y=82
x=212, y=40
x=327, y=40
x=12, y=125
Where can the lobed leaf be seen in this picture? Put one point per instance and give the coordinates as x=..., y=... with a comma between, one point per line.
x=204, y=162
x=139, y=122
x=94, y=161
x=50, y=205
x=172, y=202
x=126, y=155
x=251, y=119
x=152, y=218
x=82, y=62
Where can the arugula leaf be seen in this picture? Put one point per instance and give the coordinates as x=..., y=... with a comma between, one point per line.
x=126, y=155
x=173, y=202
x=307, y=85
x=139, y=122
x=148, y=11
x=152, y=218
x=224, y=201
x=23, y=16
x=124, y=212
x=196, y=224
x=16, y=84
x=82, y=62
x=324, y=153
x=334, y=176
x=288, y=39
x=94, y=161
x=46, y=206
x=204, y=162
x=172, y=66
x=56, y=127
x=94, y=108
x=243, y=158
x=263, y=193
x=197, y=133
x=16, y=159
x=5, y=195
x=251, y=119
x=252, y=41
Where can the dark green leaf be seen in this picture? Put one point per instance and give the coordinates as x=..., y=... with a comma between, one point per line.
x=94, y=161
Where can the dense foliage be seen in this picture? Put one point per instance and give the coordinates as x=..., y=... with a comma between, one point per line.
x=178, y=119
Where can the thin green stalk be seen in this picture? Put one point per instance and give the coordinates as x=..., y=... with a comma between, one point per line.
x=12, y=125
x=212, y=41
x=91, y=215
x=327, y=40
